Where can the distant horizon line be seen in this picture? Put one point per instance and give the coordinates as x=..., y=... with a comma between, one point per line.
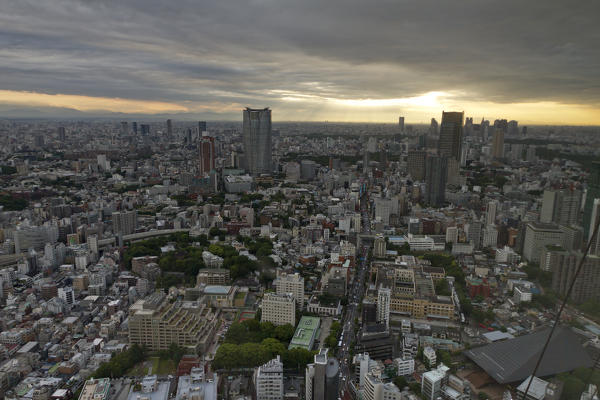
x=157, y=119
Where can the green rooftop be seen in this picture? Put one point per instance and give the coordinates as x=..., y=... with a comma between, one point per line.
x=306, y=333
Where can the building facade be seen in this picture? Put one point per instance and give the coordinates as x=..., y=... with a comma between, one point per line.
x=268, y=380
x=257, y=140
x=156, y=322
x=280, y=309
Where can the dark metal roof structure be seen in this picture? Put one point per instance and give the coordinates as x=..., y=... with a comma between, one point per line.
x=513, y=360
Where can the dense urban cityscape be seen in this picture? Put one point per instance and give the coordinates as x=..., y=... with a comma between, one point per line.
x=299, y=200
x=227, y=260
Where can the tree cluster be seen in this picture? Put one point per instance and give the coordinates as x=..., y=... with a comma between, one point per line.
x=250, y=355
x=331, y=340
x=11, y=203
x=120, y=363
x=174, y=352
x=253, y=331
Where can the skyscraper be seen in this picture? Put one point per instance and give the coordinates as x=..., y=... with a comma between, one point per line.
x=322, y=378
x=257, y=140
x=383, y=306
x=61, y=134
x=124, y=222
x=416, y=164
x=498, y=144
x=134, y=127
x=513, y=128
x=595, y=248
x=124, y=128
x=145, y=129
x=593, y=192
x=169, y=128
x=451, y=133
x=561, y=206
x=401, y=123
x=207, y=154
x=490, y=212
x=433, y=127
x=201, y=127
x=436, y=173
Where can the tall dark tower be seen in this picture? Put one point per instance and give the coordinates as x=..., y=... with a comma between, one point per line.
x=593, y=192
x=451, y=134
x=201, y=128
x=169, y=128
x=436, y=173
x=257, y=140
x=206, y=147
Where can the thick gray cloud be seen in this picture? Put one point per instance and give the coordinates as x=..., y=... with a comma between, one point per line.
x=260, y=51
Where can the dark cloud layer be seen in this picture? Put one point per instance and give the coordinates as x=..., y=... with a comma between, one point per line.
x=260, y=51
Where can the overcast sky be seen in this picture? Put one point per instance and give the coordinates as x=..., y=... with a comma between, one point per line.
x=337, y=60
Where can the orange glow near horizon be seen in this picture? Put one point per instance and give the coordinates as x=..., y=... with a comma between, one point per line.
x=89, y=103
x=295, y=106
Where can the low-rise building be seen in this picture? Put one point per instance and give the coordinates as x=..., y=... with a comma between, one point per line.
x=95, y=389
x=306, y=333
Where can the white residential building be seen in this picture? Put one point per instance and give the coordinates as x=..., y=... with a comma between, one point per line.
x=538, y=236
x=430, y=356
x=405, y=366
x=268, y=380
x=376, y=389
x=66, y=293
x=432, y=382
x=451, y=234
x=490, y=236
x=291, y=283
x=384, y=297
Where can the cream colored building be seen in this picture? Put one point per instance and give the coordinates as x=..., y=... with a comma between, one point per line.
x=291, y=283
x=280, y=309
x=157, y=321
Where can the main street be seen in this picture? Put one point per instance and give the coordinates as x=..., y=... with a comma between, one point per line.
x=355, y=295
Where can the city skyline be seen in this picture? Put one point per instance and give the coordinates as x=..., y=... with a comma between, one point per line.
x=354, y=63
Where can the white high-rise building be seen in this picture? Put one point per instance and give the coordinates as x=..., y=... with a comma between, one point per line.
x=362, y=362
x=257, y=140
x=384, y=296
x=405, y=366
x=124, y=222
x=490, y=236
x=66, y=293
x=280, y=309
x=268, y=380
x=451, y=234
x=561, y=206
x=490, y=212
x=384, y=208
x=376, y=389
x=432, y=382
x=538, y=236
x=291, y=283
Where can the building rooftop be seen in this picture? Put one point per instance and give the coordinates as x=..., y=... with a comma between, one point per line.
x=537, y=389
x=497, y=335
x=306, y=332
x=95, y=389
x=217, y=289
x=513, y=360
